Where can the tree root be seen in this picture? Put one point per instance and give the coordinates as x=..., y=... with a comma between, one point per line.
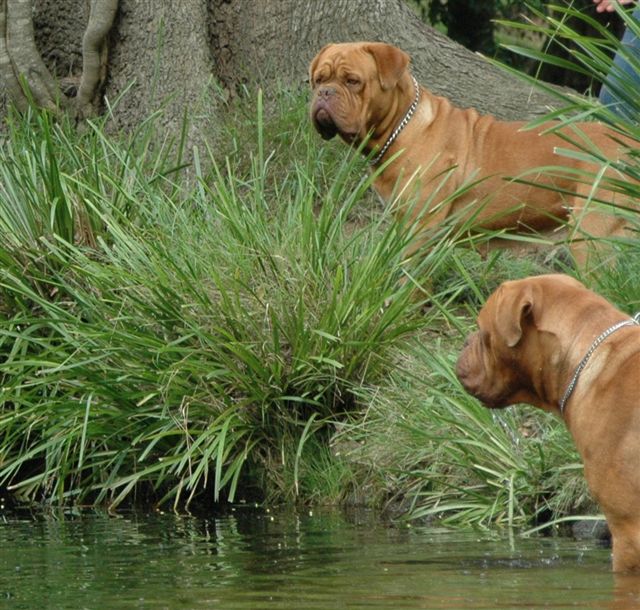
x=25, y=75
x=94, y=54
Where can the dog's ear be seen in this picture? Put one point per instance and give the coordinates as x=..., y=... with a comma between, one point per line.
x=390, y=61
x=314, y=62
x=515, y=305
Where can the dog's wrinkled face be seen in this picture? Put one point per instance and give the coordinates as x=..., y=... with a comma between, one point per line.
x=500, y=363
x=353, y=88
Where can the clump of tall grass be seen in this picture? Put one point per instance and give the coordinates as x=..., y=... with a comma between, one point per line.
x=205, y=333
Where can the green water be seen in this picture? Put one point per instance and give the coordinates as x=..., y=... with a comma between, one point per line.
x=319, y=560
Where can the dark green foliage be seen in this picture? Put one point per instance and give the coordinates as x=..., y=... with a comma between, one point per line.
x=193, y=335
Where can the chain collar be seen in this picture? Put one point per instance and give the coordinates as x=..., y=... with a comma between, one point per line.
x=635, y=321
x=401, y=125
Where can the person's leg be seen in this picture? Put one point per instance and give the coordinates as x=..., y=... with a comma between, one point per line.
x=623, y=74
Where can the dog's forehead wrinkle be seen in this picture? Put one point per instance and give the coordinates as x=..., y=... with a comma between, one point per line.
x=503, y=300
x=348, y=59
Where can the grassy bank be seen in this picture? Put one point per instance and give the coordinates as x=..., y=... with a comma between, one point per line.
x=174, y=336
x=198, y=326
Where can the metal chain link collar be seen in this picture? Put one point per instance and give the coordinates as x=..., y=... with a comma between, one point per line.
x=635, y=321
x=401, y=125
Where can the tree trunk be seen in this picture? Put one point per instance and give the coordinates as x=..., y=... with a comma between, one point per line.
x=161, y=58
x=280, y=38
x=165, y=54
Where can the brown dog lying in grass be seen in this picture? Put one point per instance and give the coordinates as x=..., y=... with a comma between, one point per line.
x=364, y=92
x=550, y=342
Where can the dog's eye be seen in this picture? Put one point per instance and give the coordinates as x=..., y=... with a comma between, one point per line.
x=352, y=81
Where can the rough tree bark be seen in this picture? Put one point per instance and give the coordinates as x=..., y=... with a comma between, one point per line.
x=161, y=53
x=162, y=57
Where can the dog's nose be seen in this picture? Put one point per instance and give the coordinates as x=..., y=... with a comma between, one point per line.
x=326, y=92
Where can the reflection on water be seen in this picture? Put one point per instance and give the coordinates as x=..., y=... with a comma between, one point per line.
x=321, y=560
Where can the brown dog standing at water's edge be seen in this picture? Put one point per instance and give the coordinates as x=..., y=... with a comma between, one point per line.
x=364, y=92
x=550, y=342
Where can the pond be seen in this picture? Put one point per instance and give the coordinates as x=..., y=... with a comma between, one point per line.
x=253, y=559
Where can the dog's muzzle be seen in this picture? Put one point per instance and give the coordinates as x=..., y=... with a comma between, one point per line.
x=322, y=114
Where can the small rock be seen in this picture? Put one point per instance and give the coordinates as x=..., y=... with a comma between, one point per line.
x=591, y=530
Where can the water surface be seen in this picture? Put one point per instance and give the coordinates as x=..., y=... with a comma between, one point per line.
x=321, y=560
